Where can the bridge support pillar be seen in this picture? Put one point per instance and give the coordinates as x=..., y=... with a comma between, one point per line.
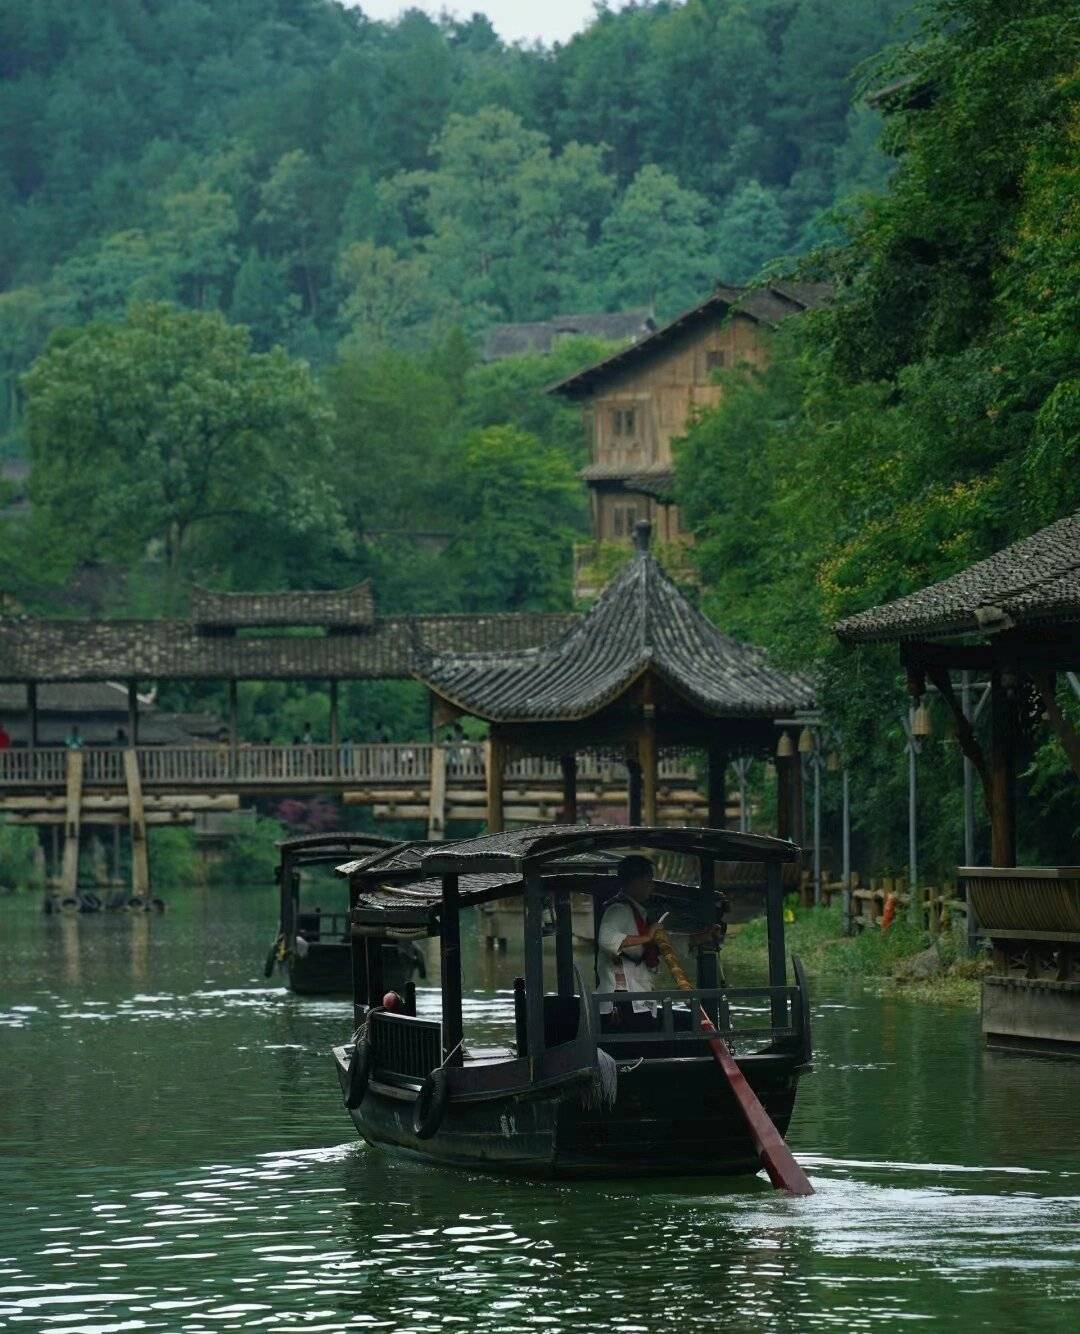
x=69, y=875
x=140, y=858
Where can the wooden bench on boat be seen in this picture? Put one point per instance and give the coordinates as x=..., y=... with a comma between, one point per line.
x=568, y=1099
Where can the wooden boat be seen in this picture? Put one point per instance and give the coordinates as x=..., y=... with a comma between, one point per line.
x=567, y=1100
x=312, y=945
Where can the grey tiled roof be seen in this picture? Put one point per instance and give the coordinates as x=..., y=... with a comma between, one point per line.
x=510, y=340
x=1034, y=580
x=768, y=305
x=78, y=650
x=640, y=622
x=349, y=607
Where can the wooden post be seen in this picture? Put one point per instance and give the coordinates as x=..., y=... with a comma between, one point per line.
x=133, y=713
x=358, y=955
x=783, y=795
x=534, y=967
x=69, y=875
x=1002, y=771
x=798, y=804
x=32, y=711
x=564, y=945
x=140, y=859
x=647, y=755
x=717, y=775
x=436, y=828
x=774, y=918
x=450, y=957
x=234, y=710
x=335, y=726
x=495, y=768
x=633, y=792
x=569, y=788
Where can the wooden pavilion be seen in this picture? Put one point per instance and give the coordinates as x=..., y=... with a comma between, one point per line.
x=643, y=670
x=1014, y=619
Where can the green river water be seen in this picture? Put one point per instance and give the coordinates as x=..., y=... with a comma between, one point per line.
x=174, y=1156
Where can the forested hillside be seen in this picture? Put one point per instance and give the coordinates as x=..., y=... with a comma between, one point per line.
x=317, y=176
x=933, y=414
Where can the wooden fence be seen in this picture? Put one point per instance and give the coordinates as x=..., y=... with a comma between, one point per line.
x=210, y=766
x=937, y=905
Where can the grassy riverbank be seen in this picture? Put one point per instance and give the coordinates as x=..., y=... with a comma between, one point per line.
x=885, y=960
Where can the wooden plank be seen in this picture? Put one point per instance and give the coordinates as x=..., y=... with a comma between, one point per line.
x=140, y=858
x=101, y=801
x=69, y=874
x=436, y=824
x=106, y=819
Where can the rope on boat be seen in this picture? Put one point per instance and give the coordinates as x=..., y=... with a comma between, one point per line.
x=603, y=1088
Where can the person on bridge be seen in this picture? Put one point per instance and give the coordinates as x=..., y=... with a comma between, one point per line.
x=74, y=739
x=5, y=738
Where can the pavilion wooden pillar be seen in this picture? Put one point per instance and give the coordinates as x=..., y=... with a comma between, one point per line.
x=784, y=794
x=717, y=774
x=335, y=730
x=633, y=790
x=32, y=711
x=133, y=713
x=569, y=788
x=1002, y=787
x=534, y=966
x=647, y=755
x=495, y=769
x=798, y=802
x=564, y=944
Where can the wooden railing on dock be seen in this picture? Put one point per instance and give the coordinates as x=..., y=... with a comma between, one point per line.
x=245, y=766
x=937, y=904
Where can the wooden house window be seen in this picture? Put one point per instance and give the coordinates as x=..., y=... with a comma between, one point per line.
x=624, y=422
x=623, y=518
x=714, y=360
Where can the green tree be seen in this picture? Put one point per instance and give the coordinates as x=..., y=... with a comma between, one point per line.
x=166, y=432
x=751, y=232
x=519, y=500
x=675, y=267
x=386, y=297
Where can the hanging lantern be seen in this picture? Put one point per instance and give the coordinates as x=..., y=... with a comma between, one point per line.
x=832, y=764
x=921, y=724
x=806, y=742
x=784, y=748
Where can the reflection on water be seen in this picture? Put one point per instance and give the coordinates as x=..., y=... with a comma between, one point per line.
x=176, y=1158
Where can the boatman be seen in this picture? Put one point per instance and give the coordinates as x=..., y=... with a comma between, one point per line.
x=627, y=957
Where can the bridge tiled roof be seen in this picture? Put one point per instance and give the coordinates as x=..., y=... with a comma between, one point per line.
x=641, y=622
x=339, y=607
x=80, y=650
x=1034, y=581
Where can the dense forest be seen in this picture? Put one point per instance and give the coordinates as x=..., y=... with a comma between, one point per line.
x=249, y=251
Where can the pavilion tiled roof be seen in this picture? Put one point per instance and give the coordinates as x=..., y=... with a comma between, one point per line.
x=339, y=607
x=80, y=650
x=641, y=622
x=1033, y=581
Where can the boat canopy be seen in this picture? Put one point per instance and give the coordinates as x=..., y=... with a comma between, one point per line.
x=403, y=888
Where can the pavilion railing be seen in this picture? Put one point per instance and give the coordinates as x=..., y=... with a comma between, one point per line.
x=222, y=765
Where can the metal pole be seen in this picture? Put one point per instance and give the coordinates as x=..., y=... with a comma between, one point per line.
x=969, y=779
x=815, y=758
x=846, y=847
x=913, y=792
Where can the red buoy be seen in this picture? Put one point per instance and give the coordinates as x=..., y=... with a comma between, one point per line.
x=391, y=1001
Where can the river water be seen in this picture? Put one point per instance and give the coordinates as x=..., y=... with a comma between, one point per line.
x=174, y=1156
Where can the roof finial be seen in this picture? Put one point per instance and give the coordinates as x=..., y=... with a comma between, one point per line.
x=642, y=534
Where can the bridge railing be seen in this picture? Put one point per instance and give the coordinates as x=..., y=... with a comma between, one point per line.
x=372, y=764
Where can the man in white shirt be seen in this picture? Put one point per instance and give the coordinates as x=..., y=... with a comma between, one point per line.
x=627, y=958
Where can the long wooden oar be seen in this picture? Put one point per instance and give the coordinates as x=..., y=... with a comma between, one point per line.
x=777, y=1159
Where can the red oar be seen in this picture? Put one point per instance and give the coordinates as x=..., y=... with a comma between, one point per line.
x=777, y=1159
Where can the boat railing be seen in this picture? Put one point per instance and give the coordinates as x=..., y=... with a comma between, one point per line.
x=404, y=1045
x=732, y=1010
x=315, y=925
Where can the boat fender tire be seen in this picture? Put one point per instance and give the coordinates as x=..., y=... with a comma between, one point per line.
x=430, y=1105
x=359, y=1072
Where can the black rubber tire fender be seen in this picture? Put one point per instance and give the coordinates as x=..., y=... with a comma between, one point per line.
x=359, y=1072
x=430, y=1105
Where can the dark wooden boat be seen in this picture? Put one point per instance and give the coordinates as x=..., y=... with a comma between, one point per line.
x=566, y=1100
x=312, y=945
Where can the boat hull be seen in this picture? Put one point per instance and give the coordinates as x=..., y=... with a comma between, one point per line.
x=670, y=1118
x=326, y=970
